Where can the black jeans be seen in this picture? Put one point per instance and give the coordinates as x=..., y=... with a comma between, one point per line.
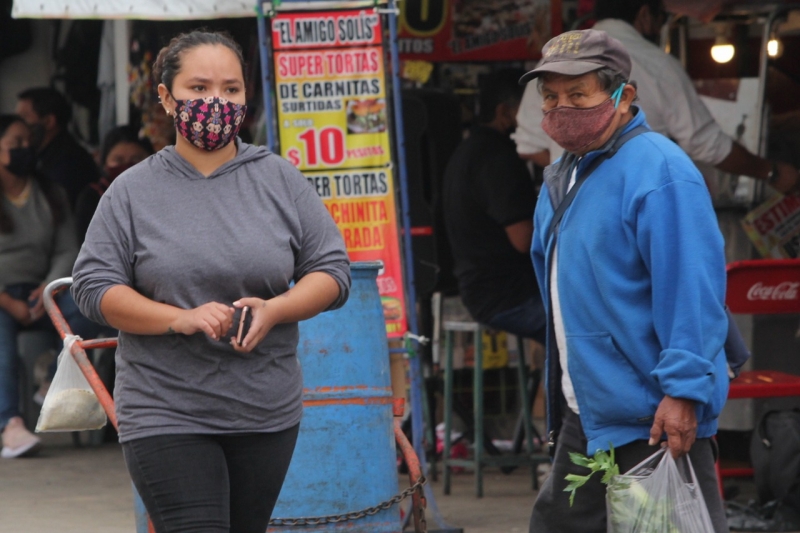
x=210, y=483
x=552, y=513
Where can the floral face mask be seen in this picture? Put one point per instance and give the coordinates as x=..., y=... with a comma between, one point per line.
x=209, y=123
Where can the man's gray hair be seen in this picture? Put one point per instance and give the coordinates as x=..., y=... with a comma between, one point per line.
x=609, y=79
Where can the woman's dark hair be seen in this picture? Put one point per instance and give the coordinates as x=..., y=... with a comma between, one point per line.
x=6, y=120
x=53, y=200
x=168, y=62
x=123, y=134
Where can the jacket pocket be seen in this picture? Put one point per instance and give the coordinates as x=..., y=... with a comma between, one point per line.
x=608, y=389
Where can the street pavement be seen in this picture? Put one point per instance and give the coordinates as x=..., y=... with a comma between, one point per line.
x=87, y=490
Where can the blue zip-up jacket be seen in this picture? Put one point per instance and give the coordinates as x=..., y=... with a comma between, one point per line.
x=641, y=280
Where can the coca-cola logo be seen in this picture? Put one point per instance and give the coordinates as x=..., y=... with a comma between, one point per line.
x=787, y=290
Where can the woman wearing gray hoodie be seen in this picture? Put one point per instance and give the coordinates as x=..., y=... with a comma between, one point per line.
x=180, y=243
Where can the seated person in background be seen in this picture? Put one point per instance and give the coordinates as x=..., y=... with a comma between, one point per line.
x=37, y=245
x=488, y=210
x=59, y=156
x=121, y=149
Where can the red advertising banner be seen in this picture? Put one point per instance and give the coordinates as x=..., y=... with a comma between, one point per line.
x=477, y=30
x=331, y=95
x=361, y=202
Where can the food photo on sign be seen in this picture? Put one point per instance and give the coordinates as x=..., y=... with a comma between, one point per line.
x=475, y=30
x=366, y=116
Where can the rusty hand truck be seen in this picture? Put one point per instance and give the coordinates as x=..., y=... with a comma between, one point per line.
x=78, y=353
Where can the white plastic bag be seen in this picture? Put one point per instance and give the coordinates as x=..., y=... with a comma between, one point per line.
x=70, y=404
x=659, y=494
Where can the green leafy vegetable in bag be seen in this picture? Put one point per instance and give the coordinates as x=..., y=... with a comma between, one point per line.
x=601, y=462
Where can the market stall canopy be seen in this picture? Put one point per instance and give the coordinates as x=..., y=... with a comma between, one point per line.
x=161, y=10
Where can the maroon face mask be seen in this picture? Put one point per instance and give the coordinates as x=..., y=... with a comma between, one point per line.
x=109, y=175
x=112, y=172
x=575, y=128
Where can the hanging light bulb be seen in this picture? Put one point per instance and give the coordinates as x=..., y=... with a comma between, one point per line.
x=722, y=51
x=774, y=47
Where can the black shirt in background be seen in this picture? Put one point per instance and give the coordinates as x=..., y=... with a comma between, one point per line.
x=66, y=163
x=486, y=188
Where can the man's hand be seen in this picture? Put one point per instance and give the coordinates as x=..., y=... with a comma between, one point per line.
x=675, y=417
x=19, y=310
x=788, y=181
x=36, y=303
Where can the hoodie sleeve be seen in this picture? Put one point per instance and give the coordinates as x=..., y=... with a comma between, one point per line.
x=682, y=248
x=106, y=258
x=321, y=246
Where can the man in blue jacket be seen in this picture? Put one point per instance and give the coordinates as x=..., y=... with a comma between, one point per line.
x=628, y=254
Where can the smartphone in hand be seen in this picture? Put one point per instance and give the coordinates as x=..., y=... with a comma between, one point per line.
x=242, y=332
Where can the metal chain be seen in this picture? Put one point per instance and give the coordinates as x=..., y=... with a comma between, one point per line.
x=354, y=515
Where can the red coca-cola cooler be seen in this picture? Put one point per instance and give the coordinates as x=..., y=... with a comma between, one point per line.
x=766, y=286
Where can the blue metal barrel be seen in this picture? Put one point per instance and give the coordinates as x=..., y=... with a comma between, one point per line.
x=345, y=457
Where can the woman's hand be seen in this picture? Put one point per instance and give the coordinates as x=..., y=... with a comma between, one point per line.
x=19, y=310
x=311, y=295
x=264, y=317
x=36, y=303
x=214, y=319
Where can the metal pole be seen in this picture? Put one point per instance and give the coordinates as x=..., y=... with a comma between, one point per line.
x=416, y=388
x=266, y=74
x=415, y=365
x=121, y=85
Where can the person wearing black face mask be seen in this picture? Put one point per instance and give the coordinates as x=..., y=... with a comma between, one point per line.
x=58, y=155
x=122, y=148
x=22, y=161
x=37, y=245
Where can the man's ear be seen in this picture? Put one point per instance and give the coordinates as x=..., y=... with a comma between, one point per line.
x=507, y=112
x=628, y=96
x=50, y=122
x=500, y=111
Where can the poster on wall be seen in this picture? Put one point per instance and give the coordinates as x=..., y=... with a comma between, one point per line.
x=332, y=115
x=476, y=30
x=774, y=227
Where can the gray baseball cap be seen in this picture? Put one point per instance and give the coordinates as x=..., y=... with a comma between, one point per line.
x=575, y=53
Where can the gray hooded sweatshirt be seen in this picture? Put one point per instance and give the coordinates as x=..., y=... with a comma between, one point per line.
x=249, y=229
